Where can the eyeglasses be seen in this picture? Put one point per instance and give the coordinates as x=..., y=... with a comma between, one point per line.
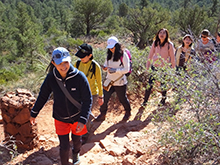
x=83, y=50
x=203, y=36
x=58, y=56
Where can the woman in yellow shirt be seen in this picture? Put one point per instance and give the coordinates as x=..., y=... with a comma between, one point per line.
x=92, y=70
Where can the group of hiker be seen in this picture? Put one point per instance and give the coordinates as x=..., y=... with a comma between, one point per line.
x=163, y=52
x=78, y=88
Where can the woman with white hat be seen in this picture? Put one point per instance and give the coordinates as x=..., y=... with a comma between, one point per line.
x=117, y=64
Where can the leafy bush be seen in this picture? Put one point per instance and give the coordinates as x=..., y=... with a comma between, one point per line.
x=12, y=73
x=73, y=42
x=137, y=78
x=192, y=136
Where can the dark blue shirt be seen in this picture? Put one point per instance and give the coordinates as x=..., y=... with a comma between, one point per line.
x=63, y=110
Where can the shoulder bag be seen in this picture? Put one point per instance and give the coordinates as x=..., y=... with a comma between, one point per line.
x=71, y=99
x=108, y=83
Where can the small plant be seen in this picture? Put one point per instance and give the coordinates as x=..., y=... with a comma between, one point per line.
x=8, y=149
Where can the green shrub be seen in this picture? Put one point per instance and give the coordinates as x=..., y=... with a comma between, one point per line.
x=71, y=42
x=8, y=75
x=192, y=136
x=102, y=34
x=99, y=33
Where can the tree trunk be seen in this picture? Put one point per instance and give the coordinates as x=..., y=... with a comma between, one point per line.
x=141, y=44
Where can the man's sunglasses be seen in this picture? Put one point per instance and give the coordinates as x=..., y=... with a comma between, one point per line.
x=83, y=50
x=58, y=56
x=203, y=36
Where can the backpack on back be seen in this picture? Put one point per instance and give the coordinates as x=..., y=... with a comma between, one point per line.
x=129, y=56
x=91, y=68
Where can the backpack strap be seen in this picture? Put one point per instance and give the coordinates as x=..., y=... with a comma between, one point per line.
x=93, y=69
x=129, y=56
x=77, y=63
x=128, y=53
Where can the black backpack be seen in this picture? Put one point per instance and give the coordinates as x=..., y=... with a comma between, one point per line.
x=91, y=68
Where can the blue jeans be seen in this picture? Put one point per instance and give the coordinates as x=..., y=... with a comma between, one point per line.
x=121, y=93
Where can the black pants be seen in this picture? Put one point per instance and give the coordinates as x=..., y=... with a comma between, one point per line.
x=121, y=93
x=65, y=147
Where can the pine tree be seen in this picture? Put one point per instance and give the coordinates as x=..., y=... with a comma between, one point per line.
x=92, y=13
x=29, y=42
x=142, y=23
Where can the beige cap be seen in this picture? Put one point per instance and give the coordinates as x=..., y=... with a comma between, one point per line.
x=188, y=35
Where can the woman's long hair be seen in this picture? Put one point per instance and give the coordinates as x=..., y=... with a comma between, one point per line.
x=157, y=39
x=50, y=67
x=118, y=53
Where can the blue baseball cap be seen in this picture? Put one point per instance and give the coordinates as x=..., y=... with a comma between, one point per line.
x=60, y=55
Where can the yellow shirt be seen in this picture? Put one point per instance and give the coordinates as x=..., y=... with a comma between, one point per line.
x=95, y=82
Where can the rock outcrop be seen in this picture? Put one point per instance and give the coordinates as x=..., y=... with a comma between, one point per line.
x=16, y=107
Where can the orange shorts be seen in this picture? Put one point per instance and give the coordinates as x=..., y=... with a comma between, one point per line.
x=64, y=128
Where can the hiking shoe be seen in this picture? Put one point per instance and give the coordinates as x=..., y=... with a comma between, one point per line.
x=101, y=117
x=126, y=116
x=76, y=160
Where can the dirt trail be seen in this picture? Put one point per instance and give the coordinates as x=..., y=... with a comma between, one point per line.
x=111, y=142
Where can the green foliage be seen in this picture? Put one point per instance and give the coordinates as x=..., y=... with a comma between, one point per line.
x=12, y=73
x=143, y=3
x=191, y=19
x=112, y=23
x=98, y=33
x=73, y=42
x=137, y=77
x=92, y=12
x=192, y=136
x=6, y=31
x=123, y=10
x=143, y=23
x=28, y=28
x=29, y=42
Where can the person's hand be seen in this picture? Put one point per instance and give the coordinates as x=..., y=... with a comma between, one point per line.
x=32, y=121
x=111, y=70
x=79, y=127
x=104, y=68
x=100, y=101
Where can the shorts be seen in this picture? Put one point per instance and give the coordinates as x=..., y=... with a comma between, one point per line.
x=64, y=128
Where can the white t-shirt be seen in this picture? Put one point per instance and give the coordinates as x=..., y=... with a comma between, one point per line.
x=121, y=69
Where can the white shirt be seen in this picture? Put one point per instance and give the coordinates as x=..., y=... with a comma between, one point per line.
x=120, y=70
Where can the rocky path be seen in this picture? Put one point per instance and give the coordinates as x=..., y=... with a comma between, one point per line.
x=111, y=142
